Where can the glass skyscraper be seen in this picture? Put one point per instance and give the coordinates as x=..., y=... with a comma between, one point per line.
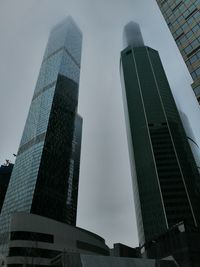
x=183, y=20
x=166, y=180
x=44, y=180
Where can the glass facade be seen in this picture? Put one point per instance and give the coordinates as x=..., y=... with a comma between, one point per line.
x=165, y=176
x=40, y=182
x=5, y=173
x=183, y=20
x=72, y=194
x=191, y=139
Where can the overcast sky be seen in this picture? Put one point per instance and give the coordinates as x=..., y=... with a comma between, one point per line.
x=105, y=192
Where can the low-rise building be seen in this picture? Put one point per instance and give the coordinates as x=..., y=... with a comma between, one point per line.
x=36, y=240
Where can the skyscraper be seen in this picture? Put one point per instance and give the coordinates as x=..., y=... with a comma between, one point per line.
x=183, y=20
x=166, y=181
x=43, y=181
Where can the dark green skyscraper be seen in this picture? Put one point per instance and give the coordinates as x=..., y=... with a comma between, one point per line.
x=166, y=181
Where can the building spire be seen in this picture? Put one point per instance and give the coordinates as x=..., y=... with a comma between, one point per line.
x=132, y=35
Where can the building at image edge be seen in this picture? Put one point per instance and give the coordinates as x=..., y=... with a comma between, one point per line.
x=183, y=19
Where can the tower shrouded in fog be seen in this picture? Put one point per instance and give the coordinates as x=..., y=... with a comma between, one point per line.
x=45, y=177
x=132, y=35
x=166, y=181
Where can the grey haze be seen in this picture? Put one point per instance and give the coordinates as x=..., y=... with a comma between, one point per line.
x=105, y=192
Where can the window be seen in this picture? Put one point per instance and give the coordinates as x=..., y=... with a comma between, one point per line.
x=22, y=235
x=32, y=252
x=178, y=5
x=197, y=90
x=198, y=71
x=195, y=10
x=193, y=51
x=193, y=59
x=188, y=49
